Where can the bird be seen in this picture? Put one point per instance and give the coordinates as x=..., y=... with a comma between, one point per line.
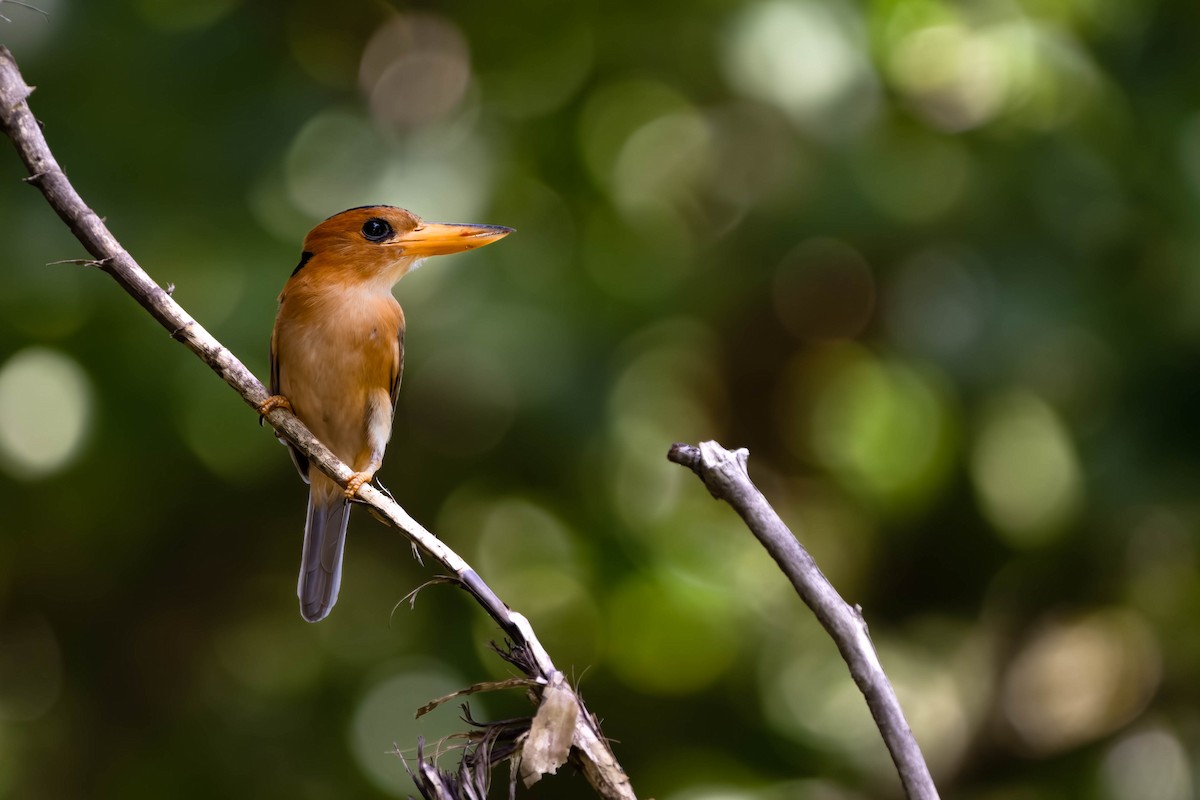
x=337, y=355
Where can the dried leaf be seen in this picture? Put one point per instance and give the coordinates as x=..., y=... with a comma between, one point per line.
x=487, y=686
x=549, y=741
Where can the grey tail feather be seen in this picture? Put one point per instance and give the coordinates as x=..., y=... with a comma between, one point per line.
x=321, y=562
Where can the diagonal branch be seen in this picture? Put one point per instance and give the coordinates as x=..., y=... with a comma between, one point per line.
x=724, y=474
x=590, y=748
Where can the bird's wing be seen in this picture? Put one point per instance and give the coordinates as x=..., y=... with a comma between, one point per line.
x=298, y=458
x=274, y=364
x=399, y=367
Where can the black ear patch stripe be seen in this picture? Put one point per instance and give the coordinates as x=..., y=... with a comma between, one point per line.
x=304, y=257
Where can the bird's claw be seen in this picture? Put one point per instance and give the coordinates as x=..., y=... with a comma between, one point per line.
x=273, y=402
x=355, y=483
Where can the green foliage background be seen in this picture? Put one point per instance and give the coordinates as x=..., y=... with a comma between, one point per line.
x=934, y=263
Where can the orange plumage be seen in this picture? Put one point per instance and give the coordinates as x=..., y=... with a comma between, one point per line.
x=337, y=354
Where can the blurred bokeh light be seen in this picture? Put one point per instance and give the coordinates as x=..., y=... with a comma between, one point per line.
x=1078, y=679
x=933, y=263
x=808, y=59
x=1152, y=764
x=1025, y=470
x=45, y=408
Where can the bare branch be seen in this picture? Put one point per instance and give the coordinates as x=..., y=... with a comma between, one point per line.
x=724, y=474
x=590, y=748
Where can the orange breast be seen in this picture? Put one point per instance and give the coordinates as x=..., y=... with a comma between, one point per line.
x=338, y=351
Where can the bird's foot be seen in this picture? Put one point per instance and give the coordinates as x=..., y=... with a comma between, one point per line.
x=273, y=402
x=355, y=483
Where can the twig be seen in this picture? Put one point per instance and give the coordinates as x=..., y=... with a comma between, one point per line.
x=590, y=748
x=487, y=686
x=22, y=5
x=724, y=474
x=79, y=262
x=43, y=12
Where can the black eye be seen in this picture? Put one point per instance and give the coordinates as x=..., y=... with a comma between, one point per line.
x=376, y=229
